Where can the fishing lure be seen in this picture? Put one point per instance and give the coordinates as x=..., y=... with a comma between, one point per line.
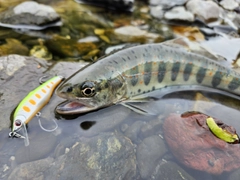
x=221, y=133
x=31, y=105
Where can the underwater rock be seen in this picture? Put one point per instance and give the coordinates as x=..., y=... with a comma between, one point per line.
x=30, y=15
x=149, y=153
x=92, y=39
x=13, y=46
x=204, y=10
x=170, y=170
x=195, y=146
x=40, y=51
x=69, y=47
x=234, y=175
x=179, y=13
x=107, y=156
x=36, y=152
x=31, y=170
x=133, y=131
x=166, y=4
x=151, y=127
x=229, y=4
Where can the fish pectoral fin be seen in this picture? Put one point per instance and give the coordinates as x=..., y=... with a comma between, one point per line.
x=137, y=108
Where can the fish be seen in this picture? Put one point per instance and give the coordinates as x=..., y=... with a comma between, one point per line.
x=32, y=104
x=141, y=73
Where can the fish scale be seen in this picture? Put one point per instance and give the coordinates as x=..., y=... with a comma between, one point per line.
x=134, y=71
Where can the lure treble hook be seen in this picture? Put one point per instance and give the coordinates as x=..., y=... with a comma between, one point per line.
x=40, y=124
x=41, y=79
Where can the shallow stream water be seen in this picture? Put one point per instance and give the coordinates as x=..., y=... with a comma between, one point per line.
x=113, y=142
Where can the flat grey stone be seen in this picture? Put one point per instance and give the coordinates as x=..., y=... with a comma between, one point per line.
x=179, y=13
x=29, y=13
x=229, y=4
x=204, y=10
x=166, y=4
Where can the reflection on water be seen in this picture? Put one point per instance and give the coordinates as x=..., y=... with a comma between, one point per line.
x=143, y=131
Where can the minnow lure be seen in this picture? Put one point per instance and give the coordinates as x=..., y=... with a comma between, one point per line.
x=32, y=104
x=221, y=133
x=137, y=73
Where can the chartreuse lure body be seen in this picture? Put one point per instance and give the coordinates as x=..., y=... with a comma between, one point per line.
x=32, y=104
x=221, y=133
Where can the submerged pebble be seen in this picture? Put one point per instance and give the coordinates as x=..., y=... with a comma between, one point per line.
x=133, y=131
x=40, y=51
x=64, y=47
x=152, y=127
x=13, y=46
x=171, y=170
x=149, y=153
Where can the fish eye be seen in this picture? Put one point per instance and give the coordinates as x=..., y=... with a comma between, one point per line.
x=18, y=123
x=88, y=89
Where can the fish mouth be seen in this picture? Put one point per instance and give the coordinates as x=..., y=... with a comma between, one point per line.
x=73, y=107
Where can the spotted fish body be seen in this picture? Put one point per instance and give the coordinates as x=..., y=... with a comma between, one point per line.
x=159, y=66
x=131, y=72
x=34, y=102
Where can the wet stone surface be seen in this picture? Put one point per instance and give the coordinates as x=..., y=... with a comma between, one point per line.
x=205, y=10
x=35, y=151
x=179, y=13
x=194, y=145
x=33, y=170
x=171, y=170
x=106, y=156
x=149, y=153
x=30, y=13
x=166, y=4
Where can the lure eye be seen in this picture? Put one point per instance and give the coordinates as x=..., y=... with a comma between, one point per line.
x=18, y=123
x=88, y=89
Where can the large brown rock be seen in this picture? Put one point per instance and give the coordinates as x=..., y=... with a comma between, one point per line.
x=194, y=145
